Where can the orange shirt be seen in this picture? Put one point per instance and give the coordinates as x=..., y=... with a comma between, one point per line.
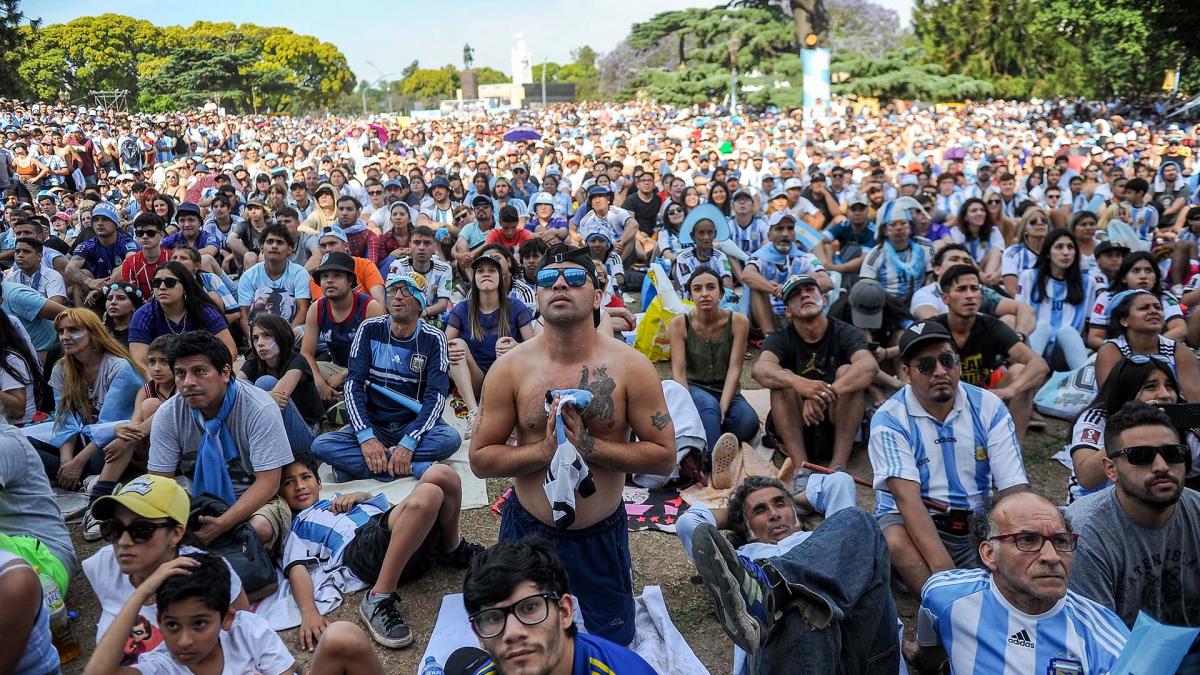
x=367, y=273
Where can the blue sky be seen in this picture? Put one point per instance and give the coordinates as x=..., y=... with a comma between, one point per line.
x=390, y=34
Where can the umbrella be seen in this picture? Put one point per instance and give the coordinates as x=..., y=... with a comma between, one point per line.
x=522, y=134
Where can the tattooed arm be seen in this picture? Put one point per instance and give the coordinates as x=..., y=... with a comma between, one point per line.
x=654, y=450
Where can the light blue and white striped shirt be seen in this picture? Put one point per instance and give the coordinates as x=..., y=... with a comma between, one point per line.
x=319, y=536
x=983, y=634
x=956, y=462
x=1052, y=306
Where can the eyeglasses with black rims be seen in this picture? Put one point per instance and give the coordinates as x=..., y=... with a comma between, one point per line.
x=530, y=610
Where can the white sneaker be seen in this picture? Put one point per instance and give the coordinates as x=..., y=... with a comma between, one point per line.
x=91, y=526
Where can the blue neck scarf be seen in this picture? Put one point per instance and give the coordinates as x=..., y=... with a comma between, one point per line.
x=216, y=451
x=911, y=270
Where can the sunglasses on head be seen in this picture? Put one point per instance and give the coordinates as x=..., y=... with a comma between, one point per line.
x=574, y=276
x=1143, y=359
x=1143, y=455
x=169, y=282
x=927, y=364
x=140, y=531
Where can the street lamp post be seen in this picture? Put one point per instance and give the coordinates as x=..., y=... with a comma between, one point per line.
x=384, y=79
x=735, y=43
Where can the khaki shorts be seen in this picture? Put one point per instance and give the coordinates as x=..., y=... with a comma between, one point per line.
x=278, y=514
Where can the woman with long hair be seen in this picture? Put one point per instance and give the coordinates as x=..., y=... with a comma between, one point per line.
x=984, y=241
x=1140, y=378
x=163, y=206
x=179, y=304
x=1061, y=296
x=668, y=231
x=1023, y=255
x=1083, y=226
x=708, y=351
x=486, y=325
x=718, y=196
x=1138, y=271
x=20, y=374
x=1135, y=325
x=95, y=385
x=120, y=302
x=396, y=235
x=137, y=546
x=691, y=198
x=276, y=365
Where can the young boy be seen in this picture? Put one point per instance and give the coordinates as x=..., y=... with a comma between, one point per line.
x=600, y=245
x=510, y=234
x=201, y=634
x=377, y=543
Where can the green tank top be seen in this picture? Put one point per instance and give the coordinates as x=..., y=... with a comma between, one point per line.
x=708, y=362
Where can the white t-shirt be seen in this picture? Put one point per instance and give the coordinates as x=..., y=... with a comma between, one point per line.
x=113, y=590
x=249, y=646
x=9, y=383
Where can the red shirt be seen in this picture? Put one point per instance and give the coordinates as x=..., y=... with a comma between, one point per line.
x=520, y=236
x=138, y=272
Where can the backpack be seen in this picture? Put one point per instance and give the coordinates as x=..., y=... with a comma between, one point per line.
x=129, y=150
x=239, y=546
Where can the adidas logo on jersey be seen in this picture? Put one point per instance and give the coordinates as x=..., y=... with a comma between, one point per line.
x=1021, y=639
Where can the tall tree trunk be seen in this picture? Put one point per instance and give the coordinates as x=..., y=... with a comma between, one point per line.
x=809, y=17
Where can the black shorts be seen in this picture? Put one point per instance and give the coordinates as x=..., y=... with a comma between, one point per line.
x=818, y=438
x=365, y=553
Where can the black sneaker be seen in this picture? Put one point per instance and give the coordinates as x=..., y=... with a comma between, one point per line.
x=462, y=554
x=384, y=621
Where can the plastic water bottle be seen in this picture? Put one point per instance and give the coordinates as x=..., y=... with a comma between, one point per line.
x=61, y=632
x=431, y=667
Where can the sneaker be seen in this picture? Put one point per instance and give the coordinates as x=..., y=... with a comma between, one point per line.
x=463, y=554
x=739, y=588
x=91, y=526
x=384, y=621
x=800, y=482
x=725, y=453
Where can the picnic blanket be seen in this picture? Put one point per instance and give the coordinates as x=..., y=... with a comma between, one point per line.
x=656, y=639
x=656, y=509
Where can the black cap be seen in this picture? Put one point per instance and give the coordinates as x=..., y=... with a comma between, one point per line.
x=921, y=333
x=335, y=262
x=1106, y=246
x=481, y=199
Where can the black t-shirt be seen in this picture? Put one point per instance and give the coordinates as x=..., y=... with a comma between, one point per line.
x=57, y=244
x=645, y=213
x=816, y=360
x=305, y=395
x=818, y=202
x=986, y=349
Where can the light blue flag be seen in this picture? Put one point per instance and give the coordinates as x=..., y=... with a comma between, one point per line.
x=1154, y=647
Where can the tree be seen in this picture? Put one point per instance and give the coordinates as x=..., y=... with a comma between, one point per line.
x=902, y=74
x=486, y=75
x=12, y=42
x=425, y=83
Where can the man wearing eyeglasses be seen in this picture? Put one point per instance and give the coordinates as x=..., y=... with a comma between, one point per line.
x=1139, y=540
x=938, y=447
x=1017, y=615
x=522, y=610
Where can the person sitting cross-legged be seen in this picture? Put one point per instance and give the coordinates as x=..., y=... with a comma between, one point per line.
x=376, y=542
x=396, y=361
x=790, y=599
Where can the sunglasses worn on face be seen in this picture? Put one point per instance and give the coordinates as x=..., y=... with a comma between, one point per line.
x=574, y=276
x=993, y=201
x=169, y=282
x=147, y=233
x=139, y=531
x=1143, y=455
x=1032, y=542
x=927, y=364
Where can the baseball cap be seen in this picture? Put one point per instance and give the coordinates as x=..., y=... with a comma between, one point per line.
x=439, y=182
x=187, y=207
x=414, y=280
x=599, y=190
x=334, y=231
x=106, y=210
x=857, y=199
x=794, y=282
x=779, y=217
x=543, y=198
x=741, y=193
x=867, y=300
x=793, y=182
x=148, y=496
x=1106, y=246
x=908, y=179
x=481, y=199
x=259, y=203
x=392, y=182
x=200, y=168
x=922, y=333
x=335, y=262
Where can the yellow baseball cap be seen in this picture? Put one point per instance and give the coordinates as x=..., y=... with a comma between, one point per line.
x=148, y=496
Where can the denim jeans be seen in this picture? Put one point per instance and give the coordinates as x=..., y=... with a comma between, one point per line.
x=1044, y=337
x=300, y=434
x=340, y=450
x=741, y=420
x=844, y=568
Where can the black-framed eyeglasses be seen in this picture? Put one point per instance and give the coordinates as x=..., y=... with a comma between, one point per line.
x=169, y=282
x=140, y=531
x=927, y=364
x=530, y=610
x=1143, y=455
x=1032, y=542
x=403, y=289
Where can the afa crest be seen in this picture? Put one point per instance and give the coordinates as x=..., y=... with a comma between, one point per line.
x=416, y=363
x=981, y=453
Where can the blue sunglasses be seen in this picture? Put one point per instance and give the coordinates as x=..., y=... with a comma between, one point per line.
x=574, y=276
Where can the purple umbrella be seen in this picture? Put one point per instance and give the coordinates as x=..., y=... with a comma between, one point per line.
x=522, y=134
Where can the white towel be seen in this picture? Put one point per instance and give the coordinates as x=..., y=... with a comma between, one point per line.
x=568, y=473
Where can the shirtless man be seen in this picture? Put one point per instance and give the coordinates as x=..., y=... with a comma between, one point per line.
x=570, y=354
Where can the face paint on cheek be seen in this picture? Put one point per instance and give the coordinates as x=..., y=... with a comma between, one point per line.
x=77, y=335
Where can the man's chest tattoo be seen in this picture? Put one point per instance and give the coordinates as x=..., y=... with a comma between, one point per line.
x=602, y=387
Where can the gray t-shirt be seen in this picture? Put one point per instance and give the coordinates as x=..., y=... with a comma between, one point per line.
x=27, y=505
x=255, y=423
x=1127, y=567
x=110, y=367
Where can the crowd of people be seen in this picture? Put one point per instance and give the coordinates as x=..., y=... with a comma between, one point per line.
x=203, y=309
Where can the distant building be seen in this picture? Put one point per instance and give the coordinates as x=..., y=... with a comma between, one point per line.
x=522, y=61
